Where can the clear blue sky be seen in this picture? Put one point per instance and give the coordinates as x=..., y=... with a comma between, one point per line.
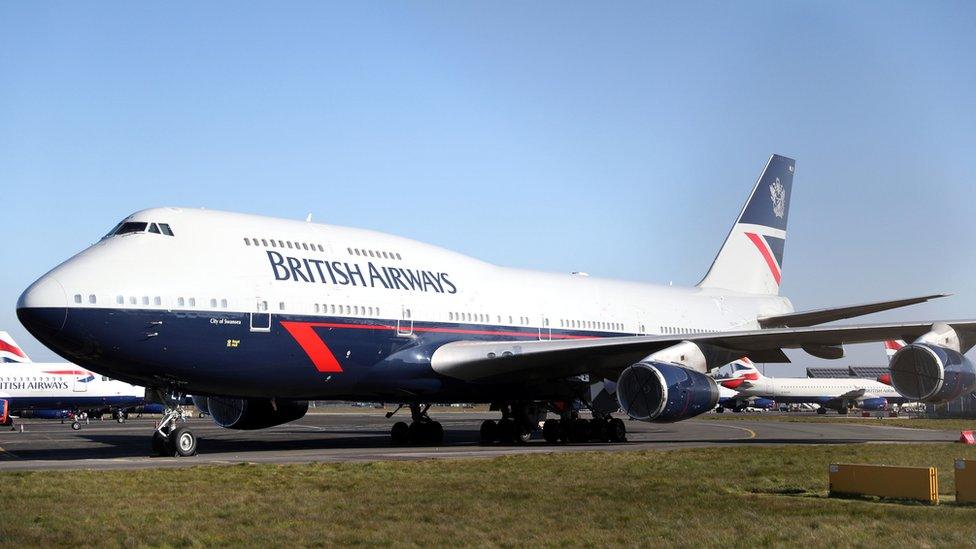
x=619, y=139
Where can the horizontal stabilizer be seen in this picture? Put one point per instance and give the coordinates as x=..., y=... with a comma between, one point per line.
x=821, y=316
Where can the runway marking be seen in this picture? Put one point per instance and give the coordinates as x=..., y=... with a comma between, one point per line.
x=752, y=434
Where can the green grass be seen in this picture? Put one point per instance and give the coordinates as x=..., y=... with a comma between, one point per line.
x=914, y=423
x=716, y=496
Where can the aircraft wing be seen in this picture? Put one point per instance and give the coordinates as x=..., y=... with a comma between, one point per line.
x=821, y=316
x=531, y=360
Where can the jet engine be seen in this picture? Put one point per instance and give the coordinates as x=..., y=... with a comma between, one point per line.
x=663, y=392
x=931, y=373
x=201, y=404
x=873, y=404
x=254, y=413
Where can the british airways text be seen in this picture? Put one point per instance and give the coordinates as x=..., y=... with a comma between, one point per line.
x=343, y=273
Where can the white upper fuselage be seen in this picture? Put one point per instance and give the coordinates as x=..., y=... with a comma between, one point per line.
x=800, y=389
x=220, y=262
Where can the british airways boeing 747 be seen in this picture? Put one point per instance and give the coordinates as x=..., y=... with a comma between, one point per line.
x=261, y=315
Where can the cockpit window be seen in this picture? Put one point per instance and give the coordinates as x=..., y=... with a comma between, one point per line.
x=131, y=227
x=128, y=227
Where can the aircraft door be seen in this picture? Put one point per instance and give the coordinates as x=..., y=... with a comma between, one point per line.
x=545, y=331
x=260, y=319
x=405, y=323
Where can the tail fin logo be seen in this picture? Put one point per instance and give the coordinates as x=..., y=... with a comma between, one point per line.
x=778, y=195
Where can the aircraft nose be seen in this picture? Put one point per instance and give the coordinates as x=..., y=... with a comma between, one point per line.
x=43, y=307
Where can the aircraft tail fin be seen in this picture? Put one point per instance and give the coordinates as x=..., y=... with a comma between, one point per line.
x=743, y=371
x=10, y=351
x=892, y=347
x=751, y=259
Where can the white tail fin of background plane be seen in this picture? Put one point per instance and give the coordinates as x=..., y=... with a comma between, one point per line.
x=10, y=351
x=751, y=260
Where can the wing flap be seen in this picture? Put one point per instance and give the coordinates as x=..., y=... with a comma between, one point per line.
x=822, y=316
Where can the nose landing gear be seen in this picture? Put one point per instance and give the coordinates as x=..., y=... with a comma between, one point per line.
x=170, y=438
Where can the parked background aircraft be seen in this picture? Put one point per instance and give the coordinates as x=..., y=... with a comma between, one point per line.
x=261, y=315
x=841, y=394
x=55, y=390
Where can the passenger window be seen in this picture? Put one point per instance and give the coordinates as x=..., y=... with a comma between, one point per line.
x=157, y=300
x=264, y=243
x=213, y=302
x=193, y=302
x=166, y=230
x=91, y=298
x=120, y=300
x=247, y=241
x=398, y=256
x=223, y=303
x=273, y=243
x=304, y=246
x=281, y=244
x=180, y=301
x=132, y=300
x=77, y=298
x=145, y=300
x=289, y=244
x=281, y=305
x=316, y=307
x=153, y=228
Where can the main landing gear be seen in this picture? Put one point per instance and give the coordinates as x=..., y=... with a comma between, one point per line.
x=576, y=429
x=421, y=429
x=170, y=438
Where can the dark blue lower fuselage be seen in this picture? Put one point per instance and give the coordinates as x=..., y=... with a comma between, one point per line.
x=219, y=353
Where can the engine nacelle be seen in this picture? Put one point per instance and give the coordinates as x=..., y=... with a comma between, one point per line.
x=662, y=392
x=873, y=404
x=254, y=413
x=931, y=374
x=201, y=404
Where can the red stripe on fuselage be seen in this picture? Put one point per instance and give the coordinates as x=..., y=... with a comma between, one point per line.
x=764, y=250
x=325, y=361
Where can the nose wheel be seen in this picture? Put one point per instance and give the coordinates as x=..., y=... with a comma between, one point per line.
x=170, y=437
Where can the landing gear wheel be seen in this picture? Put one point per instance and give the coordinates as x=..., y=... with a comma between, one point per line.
x=121, y=417
x=159, y=444
x=599, y=429
x=489, y=431
x=400, y=433
x=522, y=435
x=720, y=410
x=580, y=430
x=507, y=431
x=821, y=410
x=75, y=425
x=617, y=430
x=551, y=431
x=434, y=432
x=183, y=442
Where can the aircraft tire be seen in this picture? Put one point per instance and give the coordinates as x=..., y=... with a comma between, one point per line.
x=489, y=431
x=183, y=442
x=821, y=410
x=507, y=431
x=617, y=430
x=550, y=431
x=435, y=432
x=400, y=433
x=580, y=431
x=599, y=430
x=158, y=444
x=75, y=425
